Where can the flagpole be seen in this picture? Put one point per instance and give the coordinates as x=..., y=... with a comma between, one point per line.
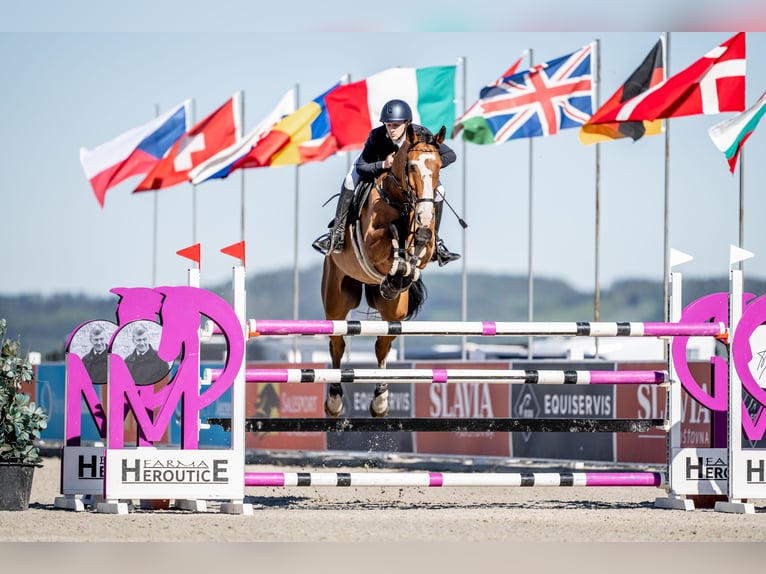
x=194, y=186
x=242, y=174
x=665, y=248
x=463, y=272
x=296, y=218
x=597, y=254
x=742, y=203
x=154, y=231
x=530, y=277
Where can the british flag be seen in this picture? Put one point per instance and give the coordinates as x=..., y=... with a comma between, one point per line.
x=548, y=97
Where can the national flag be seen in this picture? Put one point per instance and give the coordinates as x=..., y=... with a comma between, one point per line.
x=217, y=131
x=548, y=97
x=354, y=109
x=301, y=137
x=649, y=74
x=713, y=84
x=222, y=163
x=730, y=135
x=135, y=152
x=475, y=110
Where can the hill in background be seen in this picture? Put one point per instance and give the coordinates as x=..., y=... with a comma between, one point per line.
x=44, y=323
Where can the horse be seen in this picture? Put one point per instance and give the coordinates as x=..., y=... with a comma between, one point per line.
x=389, y=239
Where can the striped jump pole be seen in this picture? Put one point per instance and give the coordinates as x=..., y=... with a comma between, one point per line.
x=441, y=479
x=257, y=327
x=466, y=424
x=528, y=376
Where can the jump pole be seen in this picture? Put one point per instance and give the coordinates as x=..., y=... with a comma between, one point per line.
x=273, y=327
x=494, y=376
x=456, y=479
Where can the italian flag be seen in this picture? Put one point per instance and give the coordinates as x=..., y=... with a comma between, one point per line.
x=354, y=109
x=730, y=135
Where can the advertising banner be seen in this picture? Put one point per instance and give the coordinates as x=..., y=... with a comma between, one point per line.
x=285, y=400
x=462, y=400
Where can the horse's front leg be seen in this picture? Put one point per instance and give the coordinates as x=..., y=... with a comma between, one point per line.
x=379, y=402
x=333, y=404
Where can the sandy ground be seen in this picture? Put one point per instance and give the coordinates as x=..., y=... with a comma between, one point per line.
x=375, y=514
x=374, y=529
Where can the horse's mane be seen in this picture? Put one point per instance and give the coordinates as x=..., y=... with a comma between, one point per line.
x=399, y=167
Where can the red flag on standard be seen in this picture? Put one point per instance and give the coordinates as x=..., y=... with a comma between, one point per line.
x=192, y=252
x=236, y=250
x=217, y=131
x=713, y=84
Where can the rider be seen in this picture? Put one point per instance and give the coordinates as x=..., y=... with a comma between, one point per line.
x=377, y=156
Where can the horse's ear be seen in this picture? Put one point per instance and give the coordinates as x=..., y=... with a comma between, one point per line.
x=441, y=135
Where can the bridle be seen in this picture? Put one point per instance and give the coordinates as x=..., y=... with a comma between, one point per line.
x=410, y=201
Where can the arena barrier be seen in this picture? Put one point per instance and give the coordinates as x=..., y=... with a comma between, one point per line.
x=678, y=481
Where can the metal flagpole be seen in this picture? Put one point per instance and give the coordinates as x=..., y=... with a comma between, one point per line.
x=666, y=248
x=530, y=280
x=464, y=269
x=742, y=203
x=154, y=234
x=194, y=186
x=296, y=273
x=597, y=254
x=242, y=175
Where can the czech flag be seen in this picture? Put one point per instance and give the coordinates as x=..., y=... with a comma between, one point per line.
x=136, y=152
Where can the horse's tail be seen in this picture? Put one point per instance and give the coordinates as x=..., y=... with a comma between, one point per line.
x=418, y=295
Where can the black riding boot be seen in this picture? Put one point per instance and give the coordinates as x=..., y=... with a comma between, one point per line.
x=441, y=253
x=332, y=242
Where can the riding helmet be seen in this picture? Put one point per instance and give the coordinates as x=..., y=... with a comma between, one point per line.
x=396, y=111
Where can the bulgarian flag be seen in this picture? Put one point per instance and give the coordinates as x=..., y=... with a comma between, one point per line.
x=730, y=135
x=354, y=109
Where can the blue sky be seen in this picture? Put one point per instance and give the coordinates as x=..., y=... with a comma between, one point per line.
x=81, y=76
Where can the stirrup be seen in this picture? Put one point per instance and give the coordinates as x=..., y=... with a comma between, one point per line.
x=443, y=255
x=322, y=244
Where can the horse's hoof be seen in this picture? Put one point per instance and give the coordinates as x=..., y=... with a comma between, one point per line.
x=333, y=406
x=379, y=405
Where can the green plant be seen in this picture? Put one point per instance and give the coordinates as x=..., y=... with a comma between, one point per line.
x=20, y=420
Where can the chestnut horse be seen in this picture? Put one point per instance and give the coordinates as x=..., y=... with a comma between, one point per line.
x=389, y=239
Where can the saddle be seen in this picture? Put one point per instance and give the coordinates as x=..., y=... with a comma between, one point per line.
x=361, y=193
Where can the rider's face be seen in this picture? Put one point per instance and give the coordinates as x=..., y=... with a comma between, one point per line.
x=396, y=130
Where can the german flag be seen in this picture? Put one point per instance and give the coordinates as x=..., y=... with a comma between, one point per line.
x=650, y=73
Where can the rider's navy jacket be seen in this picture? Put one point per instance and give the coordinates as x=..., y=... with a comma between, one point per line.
x=379, y=146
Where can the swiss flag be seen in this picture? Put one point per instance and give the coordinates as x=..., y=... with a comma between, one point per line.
x=217, y=131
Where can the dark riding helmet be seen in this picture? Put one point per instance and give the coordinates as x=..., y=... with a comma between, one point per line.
x=395, y=111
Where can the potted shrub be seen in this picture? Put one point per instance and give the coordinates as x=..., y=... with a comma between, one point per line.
x=20, y=424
